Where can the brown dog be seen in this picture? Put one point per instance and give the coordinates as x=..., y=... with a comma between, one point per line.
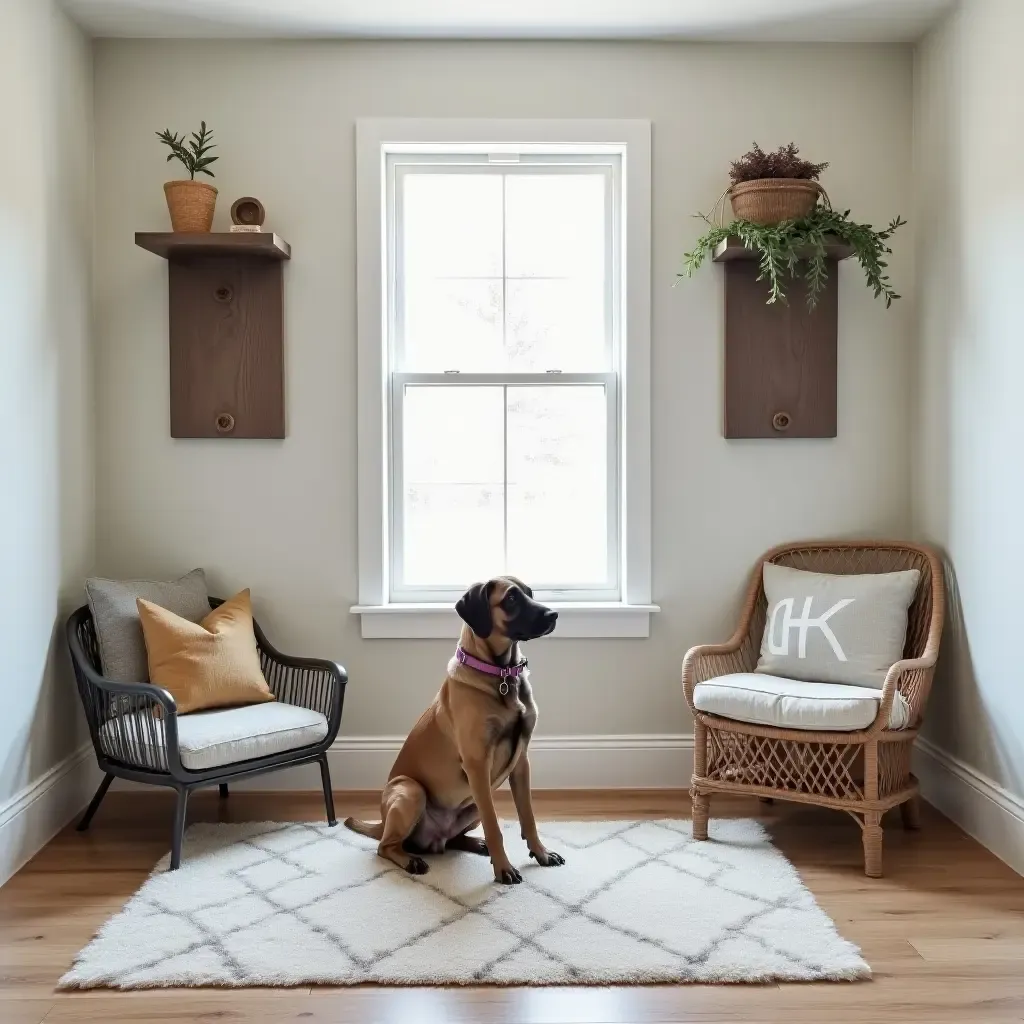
x=471, y=739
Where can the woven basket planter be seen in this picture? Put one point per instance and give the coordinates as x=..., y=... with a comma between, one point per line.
x=769, y=201
x=191, y=205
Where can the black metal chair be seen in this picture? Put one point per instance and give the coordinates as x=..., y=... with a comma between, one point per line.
x=134, y=726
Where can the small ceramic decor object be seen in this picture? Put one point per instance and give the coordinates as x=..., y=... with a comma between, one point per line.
x=247, y=214
x=190, y=203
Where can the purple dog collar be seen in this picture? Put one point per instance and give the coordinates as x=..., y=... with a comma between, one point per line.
x=503, y=672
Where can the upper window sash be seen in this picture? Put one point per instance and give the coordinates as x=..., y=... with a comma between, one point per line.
x=606, y=165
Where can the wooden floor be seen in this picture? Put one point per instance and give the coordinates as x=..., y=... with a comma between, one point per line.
x=943, y=931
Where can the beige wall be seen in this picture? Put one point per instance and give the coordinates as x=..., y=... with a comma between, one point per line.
x=46, y=423
x=969, y=481
x=280, y=517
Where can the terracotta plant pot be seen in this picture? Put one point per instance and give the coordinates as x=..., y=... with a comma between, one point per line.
x=769, y=201
x=191, y=205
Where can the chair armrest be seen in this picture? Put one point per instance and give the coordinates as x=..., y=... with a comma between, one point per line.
x=137, y=724
x=911, y=678
x=738, y=654
x=313, y=683
x=711, y=660
x=133, y=723
x=153, y=696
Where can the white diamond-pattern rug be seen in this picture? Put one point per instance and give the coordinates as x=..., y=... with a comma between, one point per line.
x=636, y=902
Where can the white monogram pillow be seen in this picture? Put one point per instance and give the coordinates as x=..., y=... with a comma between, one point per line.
x=835, y=629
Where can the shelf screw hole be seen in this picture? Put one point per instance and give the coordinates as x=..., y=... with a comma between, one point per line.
x=781, y=421
x=225, y=423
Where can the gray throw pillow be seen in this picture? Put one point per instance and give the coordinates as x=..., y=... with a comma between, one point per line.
x=835, y=629
x=116, y=617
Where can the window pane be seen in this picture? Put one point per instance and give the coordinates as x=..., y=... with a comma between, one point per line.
x=555, y=225
x=453, y=325
x=555, y=256
x=452, y=225
x=453, y=500
x=555, y=325
x=558, y=484
x=450, y=274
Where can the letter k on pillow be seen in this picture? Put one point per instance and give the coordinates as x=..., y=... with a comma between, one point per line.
x=802, y=625
x=210, y=664
x=835, y=629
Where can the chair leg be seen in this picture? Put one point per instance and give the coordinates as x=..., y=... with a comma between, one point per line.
x=325, y=777
x=223, y=791
x=701, y=801
x=872, y=839
x=94, y=804
x=910, y=812
x=179, y=828
x=701, y=813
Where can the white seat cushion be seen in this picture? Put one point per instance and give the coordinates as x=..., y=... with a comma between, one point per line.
x=763, y=699
x=209, y=739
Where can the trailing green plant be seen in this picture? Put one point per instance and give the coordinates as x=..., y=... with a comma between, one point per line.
x=798, y=247
x=191, y=152
x=785, y=162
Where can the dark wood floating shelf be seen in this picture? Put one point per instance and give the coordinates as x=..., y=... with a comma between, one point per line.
x=780, y=359
x=734, y=249
x=170, y=244
x=225, y=330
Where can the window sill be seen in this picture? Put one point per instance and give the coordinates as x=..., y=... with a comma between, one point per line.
x=439, y=621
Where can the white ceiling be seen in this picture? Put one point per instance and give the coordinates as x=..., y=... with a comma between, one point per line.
x=751, y=20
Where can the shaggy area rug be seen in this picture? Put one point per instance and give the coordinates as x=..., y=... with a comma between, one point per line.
x=635, y=902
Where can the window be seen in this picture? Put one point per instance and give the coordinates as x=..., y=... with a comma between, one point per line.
x=504, y=283
x=502, y=322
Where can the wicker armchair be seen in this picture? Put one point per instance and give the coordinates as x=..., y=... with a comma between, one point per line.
x=822, y=768
x=135, y=727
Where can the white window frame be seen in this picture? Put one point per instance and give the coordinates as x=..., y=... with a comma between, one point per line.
x=624, y=612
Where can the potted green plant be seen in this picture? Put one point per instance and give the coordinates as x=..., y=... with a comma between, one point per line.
x=791, y=230
x=191, y=203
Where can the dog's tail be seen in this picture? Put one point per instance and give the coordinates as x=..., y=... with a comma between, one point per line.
x=365, y=828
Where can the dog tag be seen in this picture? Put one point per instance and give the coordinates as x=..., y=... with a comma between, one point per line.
x=503, y=688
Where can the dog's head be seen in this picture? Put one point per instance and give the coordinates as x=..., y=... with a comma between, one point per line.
x=504, y=608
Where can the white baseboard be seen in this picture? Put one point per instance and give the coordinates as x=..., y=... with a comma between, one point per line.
x=981, y=807
x=557, y=762
x=32, y=817
x=612, y=762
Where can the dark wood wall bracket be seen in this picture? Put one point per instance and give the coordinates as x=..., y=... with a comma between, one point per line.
x=226, y=332
x=780, y=359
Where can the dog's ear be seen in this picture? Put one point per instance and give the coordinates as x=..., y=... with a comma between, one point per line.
x=474, y=608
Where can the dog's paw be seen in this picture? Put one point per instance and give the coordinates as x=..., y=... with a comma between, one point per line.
x=417, y=866
x=547, y=858
x=507, y=876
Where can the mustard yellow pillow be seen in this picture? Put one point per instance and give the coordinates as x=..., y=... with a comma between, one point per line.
x=210, y=664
